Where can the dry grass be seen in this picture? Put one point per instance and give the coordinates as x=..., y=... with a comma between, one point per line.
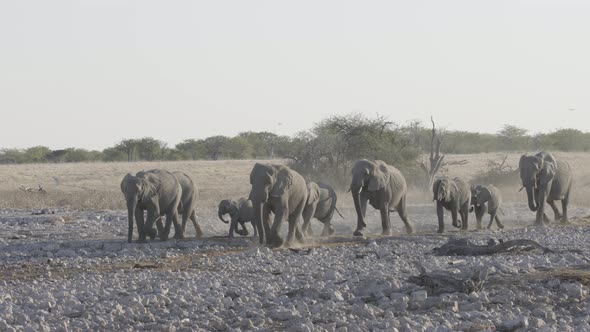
x=96, y=185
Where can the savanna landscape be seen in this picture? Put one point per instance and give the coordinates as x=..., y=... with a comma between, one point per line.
x=298, y=166
x=65, y=263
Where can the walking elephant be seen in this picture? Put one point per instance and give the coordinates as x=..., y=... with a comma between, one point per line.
x=384, y=187
x=188, y=203
x=546, y=179
x=240, y=211
x=321, y=204
x=487, y=199
x=156, y=191
x=277, y=189
x=455, y=196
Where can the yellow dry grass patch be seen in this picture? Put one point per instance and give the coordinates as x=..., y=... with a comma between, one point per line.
x=96, y=185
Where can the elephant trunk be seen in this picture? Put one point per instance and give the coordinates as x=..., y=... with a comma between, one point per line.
x=131, y=206
x=356, y=198
x=220, y=214
x=532, y=197
x=258, y=206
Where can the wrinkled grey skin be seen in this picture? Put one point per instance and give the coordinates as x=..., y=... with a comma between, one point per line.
x=158, y=192
x=277, y=189
x=487, y=199
x=240, y=211
x=546, y=179
x=455, y=196
x=321, y=204
x=188, y=203
x=384, y=187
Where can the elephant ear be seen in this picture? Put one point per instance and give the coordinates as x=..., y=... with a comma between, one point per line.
x=547, y=173
x=483, y=195
x=125, y=182
x=313, y=192
x=283, y=182
x=379, y=179
x=522, y=161
x=150, y=188
x=435, y=189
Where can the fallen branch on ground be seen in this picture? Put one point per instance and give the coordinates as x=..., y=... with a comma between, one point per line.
x=440, y=282
x=462, y=247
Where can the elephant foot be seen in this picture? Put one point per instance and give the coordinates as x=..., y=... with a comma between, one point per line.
x=539, y=224
x=387, y=232
x=141, y=240
x=564, y=221
x=357, y=233
x=440, y=230
x=410, y=229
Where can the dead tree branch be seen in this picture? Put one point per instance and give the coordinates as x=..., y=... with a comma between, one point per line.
x=435, y=160
x=462, y=247
x=440, y=282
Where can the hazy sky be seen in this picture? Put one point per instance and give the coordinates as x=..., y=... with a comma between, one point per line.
x=88, y=73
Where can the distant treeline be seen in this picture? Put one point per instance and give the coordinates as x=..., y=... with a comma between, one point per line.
x=334, y=140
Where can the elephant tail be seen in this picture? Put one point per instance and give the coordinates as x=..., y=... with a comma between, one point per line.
x=502, y=211
x=340, y=214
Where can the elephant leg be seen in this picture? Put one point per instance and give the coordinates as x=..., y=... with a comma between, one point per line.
x=454, y=217
x=179, y=233
x=465, y=218
x=441, y=217
x=564, y=204
x=153, y=217
x=233, y=226
x=499, y=222
x=244, y=229
x=139, y=219
x=385, y=223
x=556, y=213
x=177, y=226
x=198, y=231
x=255, y=229
x=479, y=212
x=492, y=218
x=307, y=215
x=274, y=239
x=402, y=211
x=362, y=212
x=264, y=228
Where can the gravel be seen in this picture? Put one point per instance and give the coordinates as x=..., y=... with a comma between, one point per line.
x=74, y=271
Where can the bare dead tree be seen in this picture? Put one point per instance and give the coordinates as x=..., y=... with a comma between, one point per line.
x=435, y=160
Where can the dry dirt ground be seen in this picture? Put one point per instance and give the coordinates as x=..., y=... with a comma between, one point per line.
x=73, y=270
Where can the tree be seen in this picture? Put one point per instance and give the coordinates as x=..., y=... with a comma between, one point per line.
x=150, y=149
x=37, y=154
x=192, y=149
x=512, y=137
x=214, y=146
x=128, y=146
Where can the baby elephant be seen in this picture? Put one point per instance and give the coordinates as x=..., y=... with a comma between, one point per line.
x=486, y=198
x=455, y=196
x=321, y=204
x=240, y=211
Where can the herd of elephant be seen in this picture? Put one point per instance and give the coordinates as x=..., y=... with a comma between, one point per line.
x=280, y=191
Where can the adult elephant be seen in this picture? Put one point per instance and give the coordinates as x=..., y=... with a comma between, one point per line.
x=277, y=189
x=321, y=204
x=188, y=203
x=455, y=196
x=546, y=179
x=384, y=187
x=240, y=211
x=156, y=191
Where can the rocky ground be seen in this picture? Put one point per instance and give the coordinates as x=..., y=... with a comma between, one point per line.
x=74, y=271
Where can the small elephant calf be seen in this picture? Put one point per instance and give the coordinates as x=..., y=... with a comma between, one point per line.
x=240, y=211
x=486, y=198
x=321, y=204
